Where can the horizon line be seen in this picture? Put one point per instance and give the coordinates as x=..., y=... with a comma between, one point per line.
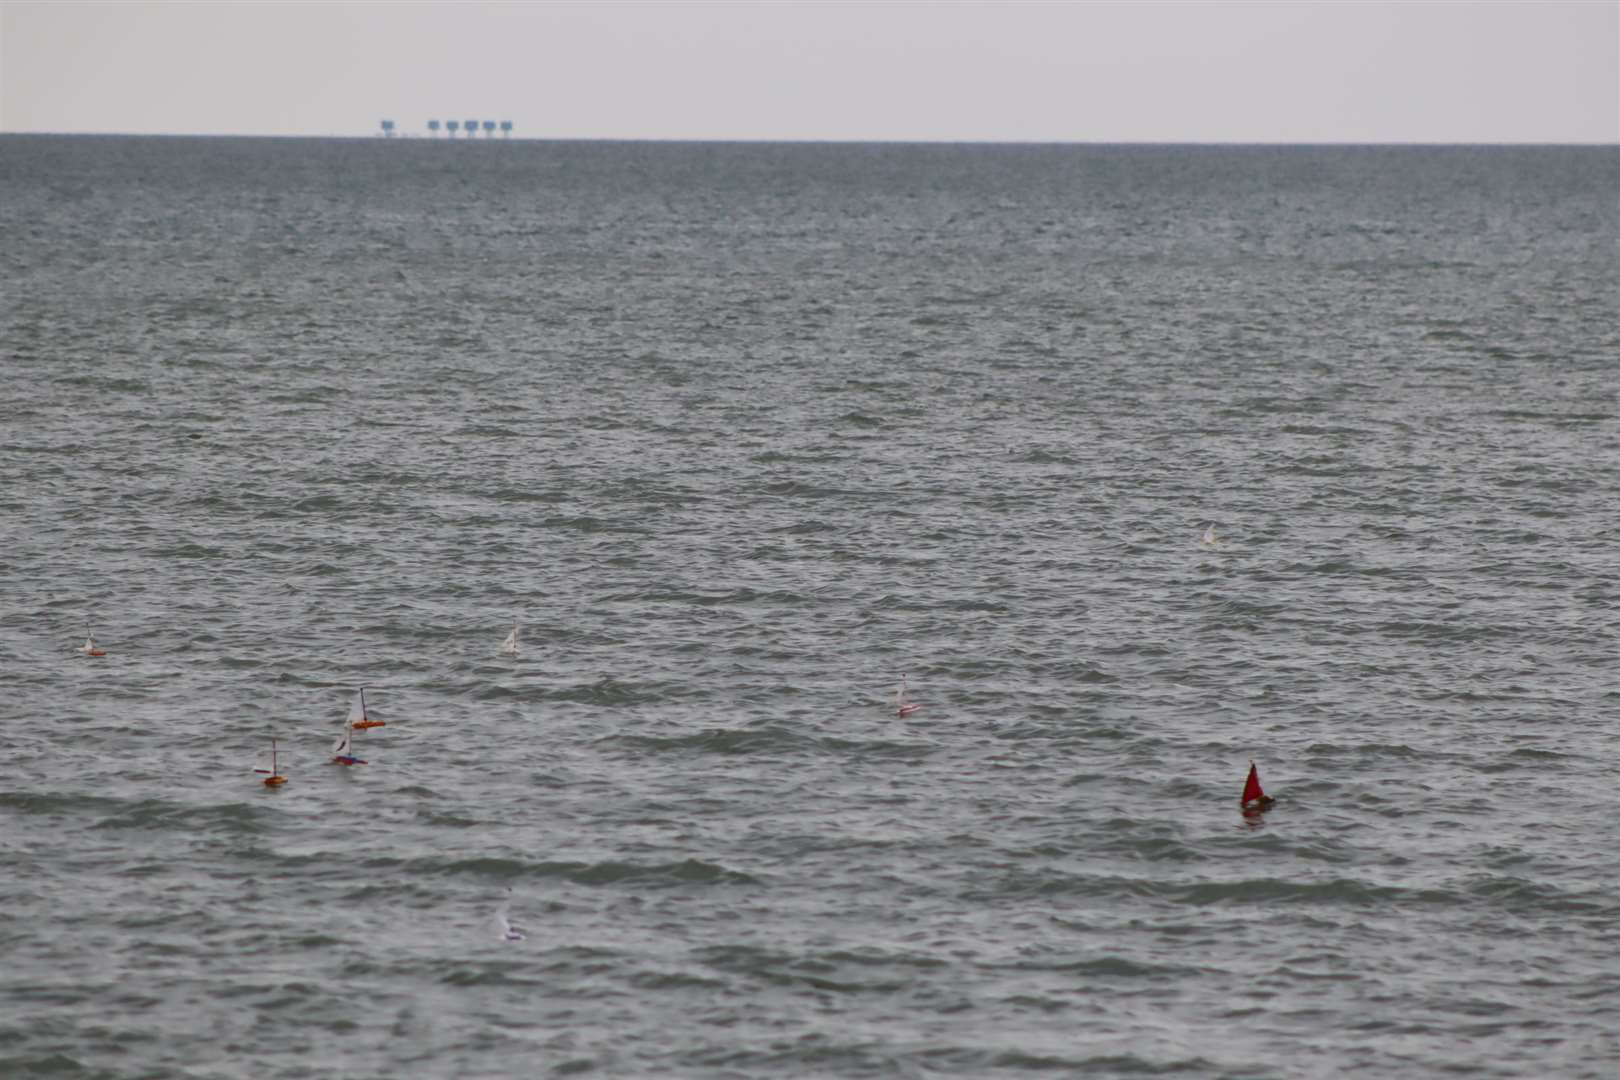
x=808, y=141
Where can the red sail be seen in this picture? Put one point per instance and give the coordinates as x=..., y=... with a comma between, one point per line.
x=1251, y=787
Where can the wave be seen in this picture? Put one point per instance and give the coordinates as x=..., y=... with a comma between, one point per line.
x=503, y=869
x=234, y=817
x=767, y=738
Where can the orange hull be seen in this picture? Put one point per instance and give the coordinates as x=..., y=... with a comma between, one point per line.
x=361, y=725
x=96, y=652
x=274, y=781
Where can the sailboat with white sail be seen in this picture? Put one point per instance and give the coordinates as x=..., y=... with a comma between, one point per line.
x=903, y=705
x=343, y=749
x=510, y=645
x=274, y=776
x=503, y=923
x=89, y=646
x=359, y=720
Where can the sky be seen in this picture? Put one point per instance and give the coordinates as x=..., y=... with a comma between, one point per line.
x=1464, y=71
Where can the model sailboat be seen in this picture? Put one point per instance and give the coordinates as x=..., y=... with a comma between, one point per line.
x=1208, y=539
x=509, y=646
x=1254, y=797
x=902, y=705
x=503, y=924
x=89, y=646
x=343, y=751
x=358, y=720
x=275, y=778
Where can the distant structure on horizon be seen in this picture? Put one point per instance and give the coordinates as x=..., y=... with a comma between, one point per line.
x=452, y=127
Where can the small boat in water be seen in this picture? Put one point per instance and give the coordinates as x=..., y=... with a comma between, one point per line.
x=903, y=706
x=343, y=750
x=504, y=926
x=509, y=646
x=1254, y=797
x=1208, y=539
x=274, y=777
x=89, y=646
x=358, y=720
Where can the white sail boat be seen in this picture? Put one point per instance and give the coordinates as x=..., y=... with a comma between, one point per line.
x=504, y=926
x=903, y=706
x=1208, y=539
x=358, y=719
x=89, y=646
x=509, y=646
x=274, y=777
x=343, y=749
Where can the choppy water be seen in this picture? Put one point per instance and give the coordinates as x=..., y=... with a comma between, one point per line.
x=740, y=434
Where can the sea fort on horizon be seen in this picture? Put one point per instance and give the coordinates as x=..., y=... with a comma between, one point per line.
x=388, y=129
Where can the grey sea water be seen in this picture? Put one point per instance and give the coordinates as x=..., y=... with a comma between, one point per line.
x=739, y=435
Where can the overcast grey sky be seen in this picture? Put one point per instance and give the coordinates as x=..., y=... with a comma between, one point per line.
x=1216, y=71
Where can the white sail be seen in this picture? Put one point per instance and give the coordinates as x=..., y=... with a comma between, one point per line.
x=268, y=760
x=504, y=926
x=1209, y=536
x=341, y=747
x=509, y=646
x=903, y=705
x=357, y=710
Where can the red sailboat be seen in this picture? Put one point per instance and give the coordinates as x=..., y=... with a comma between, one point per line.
x=1254, y=797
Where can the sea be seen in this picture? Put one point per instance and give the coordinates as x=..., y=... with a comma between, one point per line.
x=739, y=436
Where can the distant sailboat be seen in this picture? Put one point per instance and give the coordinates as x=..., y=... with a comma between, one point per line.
x=504, y=925
x=902, y=705
x=509, y=646
x=1254, y=798
x=275, y=778
x=358, y=720
x=1208, y=539
x=89, y=646
x=343, y=751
